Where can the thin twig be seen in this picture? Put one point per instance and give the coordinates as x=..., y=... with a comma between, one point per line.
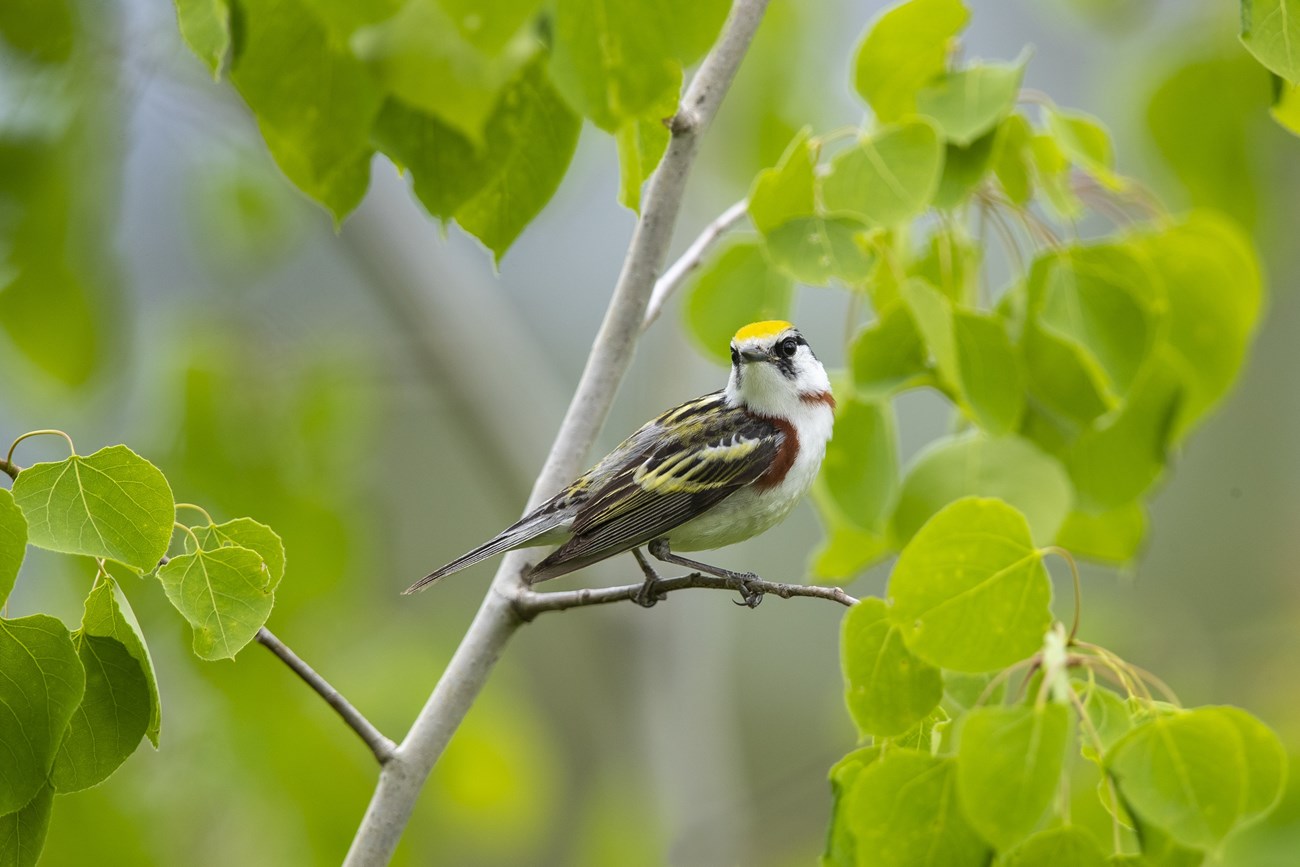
x=10, y=469
x=402, y=777
x=531, y=603
x=677, y=272
x=381, y=746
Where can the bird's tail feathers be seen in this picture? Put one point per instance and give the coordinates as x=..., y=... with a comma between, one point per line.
x=515, y=536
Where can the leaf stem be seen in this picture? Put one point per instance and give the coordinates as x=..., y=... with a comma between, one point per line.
x=202, y=511
x=382, y=747
x=1078, y=588
x=35, y=433
x=195, y=539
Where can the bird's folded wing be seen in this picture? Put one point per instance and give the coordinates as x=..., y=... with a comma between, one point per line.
x=699, y=464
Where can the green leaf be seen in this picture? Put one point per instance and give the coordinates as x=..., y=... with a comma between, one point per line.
x=614, y=61
x=342, y=18
x=493, y=193
x=963, y=169
x=932, y=311
x=1211, y=275
x=108, y=615
x=888, y=178
x=840, y=845
x=1068, y=846
x=904, y=811
x=1286, y=107
x=847, y=549
x=110, y=721
x=786, y=190
x=1116, y=461
x=111, y=504
x=1009, y=468
x=904, y=48
x=970, y=590
x=992, y=382
x=887, y=689
x=423, y=59
x=1052, y=175
x=860, y=469
x=971, y=102
x=1109, y=716
x=1270, y=30
x=695, y=25
x=641, y=144
x=1112, y=536
x=817, y=251
x=41, y=689
x=490, y=32
x=737, y=287
x=1012, y=161
x=247, y=533
x=45, y=31
x=1100, y=299
x=13, y=542
x=887, y=355
x=1085, y=142
x=951, y=264
x=1199, y=774
x=1009, y=767
x=22, y=832
x=1063, y=377
x=317, y=122
x=205, y=26
x=224, y=594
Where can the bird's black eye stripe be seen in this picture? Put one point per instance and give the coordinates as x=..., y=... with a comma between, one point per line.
x=735, y=356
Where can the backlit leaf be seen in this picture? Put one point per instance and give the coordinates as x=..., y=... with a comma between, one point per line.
x=225, y=595
x=887, y=689
x=786, y=190
x=641, y=144
x=316, y=121
x=887, y=355
x=1012, y=162
x=738, y=286
x=41, y=689
x=493, y=193
x=904, y=48
x=818, y=251
x=1085, y=142
x=205, y=26
x=970, y=590
x=1270, y=29
x=110, y=720
x=13, y=542
x=1009, y=767
x=109, y=615
x=840, y=844
x=247, y=533
x=1112, y=536
x=963, y=169
x=111, y=504
x=888, y=178
x=992, y=383
x=904, y=811
x=614, y=60
x=970, y=102
x=1199, y=774
x=1009, y=468
x=423, y=59
x=22, y=832
x=1067, y=846
x=860, y=469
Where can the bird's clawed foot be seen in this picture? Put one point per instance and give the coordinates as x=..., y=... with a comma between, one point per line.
x=649, y=594
x=749, y=586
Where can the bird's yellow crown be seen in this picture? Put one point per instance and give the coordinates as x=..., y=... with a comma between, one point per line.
x=759, y=330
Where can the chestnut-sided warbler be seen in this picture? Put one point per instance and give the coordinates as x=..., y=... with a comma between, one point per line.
x=711, y=472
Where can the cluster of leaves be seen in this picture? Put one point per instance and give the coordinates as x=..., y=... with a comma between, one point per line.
x=77, y=704
x=959, y=769
x=1270, y=29
x=482, y=106
x=1073, y=384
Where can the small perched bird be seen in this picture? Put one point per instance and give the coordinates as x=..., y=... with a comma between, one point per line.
x=712, y=472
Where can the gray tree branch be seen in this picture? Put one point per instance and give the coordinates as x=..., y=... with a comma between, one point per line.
x=402, y=777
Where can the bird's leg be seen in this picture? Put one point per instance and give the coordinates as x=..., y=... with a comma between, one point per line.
x=648, y=595
x=750, y=595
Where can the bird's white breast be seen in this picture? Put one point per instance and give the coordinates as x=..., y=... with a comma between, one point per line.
x=753, y=509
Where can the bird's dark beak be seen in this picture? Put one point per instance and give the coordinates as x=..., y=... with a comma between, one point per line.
x=753, y=355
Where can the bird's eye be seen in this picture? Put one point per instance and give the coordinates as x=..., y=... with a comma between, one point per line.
x=788, y=347
x=735, y=356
